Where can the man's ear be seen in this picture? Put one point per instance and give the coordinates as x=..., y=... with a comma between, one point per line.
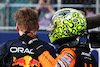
x=38, y=26
x=17, y=27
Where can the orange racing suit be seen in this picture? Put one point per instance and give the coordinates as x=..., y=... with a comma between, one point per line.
x=68, y=57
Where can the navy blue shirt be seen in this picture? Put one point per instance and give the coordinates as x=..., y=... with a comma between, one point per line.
x=16, y=53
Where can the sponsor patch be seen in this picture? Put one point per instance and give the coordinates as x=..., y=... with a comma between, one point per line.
x=67, y=57
x=68, y=62
x=86, y=54
x=65, y=63
x=60, y=64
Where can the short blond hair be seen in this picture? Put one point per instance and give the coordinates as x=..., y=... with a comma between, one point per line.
x=27, y=19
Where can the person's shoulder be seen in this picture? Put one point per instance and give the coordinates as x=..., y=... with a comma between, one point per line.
x=12, y=41
x=49, y=47
x=9, y=42
x=46, y=44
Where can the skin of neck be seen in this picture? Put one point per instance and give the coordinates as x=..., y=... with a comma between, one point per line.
x=22, y=31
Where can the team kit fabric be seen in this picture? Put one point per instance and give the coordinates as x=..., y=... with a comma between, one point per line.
x=66, y=57
x=69, y=57
x=15, y=53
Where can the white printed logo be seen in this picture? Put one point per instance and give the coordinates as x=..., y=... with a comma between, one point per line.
x=21, y=50
x=86, y=54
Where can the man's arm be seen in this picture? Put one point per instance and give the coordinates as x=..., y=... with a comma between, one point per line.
x=3, y=52
x=67, y=58
x=44, y=57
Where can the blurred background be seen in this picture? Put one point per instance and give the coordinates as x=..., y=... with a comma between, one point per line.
x=45, y=9
x=9, y=7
